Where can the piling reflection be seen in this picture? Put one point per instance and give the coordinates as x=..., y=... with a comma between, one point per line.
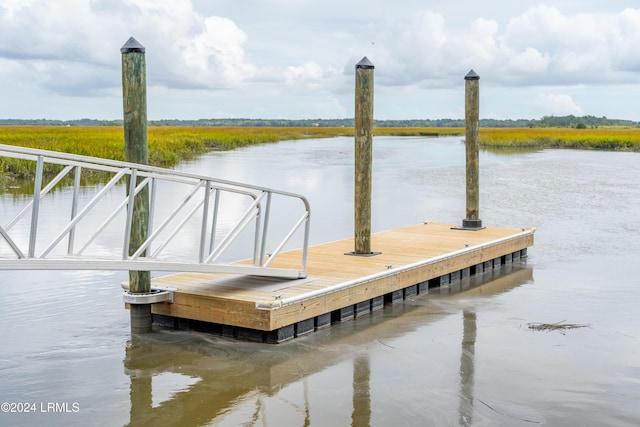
x=361, y=415
x=233, y=382
x=467, y=368
x=141, y=397
x=502, y=282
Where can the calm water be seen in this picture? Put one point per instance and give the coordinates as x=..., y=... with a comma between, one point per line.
x=459, y=358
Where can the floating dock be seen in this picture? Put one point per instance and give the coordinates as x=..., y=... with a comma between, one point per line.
x=339, y=286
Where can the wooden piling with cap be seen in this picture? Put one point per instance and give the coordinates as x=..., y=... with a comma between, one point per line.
x=134, y=95
x=472, y=220
x=363, y=156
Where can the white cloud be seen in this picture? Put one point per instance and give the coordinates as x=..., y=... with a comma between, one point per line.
x=275, y=55
x=215, y=55
x=529, y=60
x=308, y=73
x=624, y=41
x=184, y=48
x=541, y=46
x=559, y=104
x=575, y=49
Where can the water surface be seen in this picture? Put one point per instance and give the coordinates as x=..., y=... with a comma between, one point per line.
x=465, y=356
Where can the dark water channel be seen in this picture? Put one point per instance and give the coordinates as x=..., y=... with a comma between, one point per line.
x=450, y=358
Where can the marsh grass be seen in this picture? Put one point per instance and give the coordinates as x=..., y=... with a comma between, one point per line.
x=170, y=145
x=167, y=145
x=611, y=139
x=418, y=131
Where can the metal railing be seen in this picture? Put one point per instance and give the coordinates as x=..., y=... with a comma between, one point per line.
x=177, y=200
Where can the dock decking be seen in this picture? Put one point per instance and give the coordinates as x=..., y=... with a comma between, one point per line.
x=339, y=286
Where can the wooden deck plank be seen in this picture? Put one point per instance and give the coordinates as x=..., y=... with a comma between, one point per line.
x=405, y=252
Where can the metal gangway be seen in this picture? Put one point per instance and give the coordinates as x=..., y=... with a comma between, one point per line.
x=193, y=220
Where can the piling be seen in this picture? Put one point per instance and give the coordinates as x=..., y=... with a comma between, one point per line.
x=471, y=118
x=134, y=94
x=363, y=156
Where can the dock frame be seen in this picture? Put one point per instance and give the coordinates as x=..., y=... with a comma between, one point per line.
x=338, y=287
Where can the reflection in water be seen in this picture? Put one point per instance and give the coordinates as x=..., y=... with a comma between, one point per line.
x=467, y=368
x=141, y=398
x=307, y=412
x=510, y=151
x=140, y=390
x=361, y=415
x=232, y=383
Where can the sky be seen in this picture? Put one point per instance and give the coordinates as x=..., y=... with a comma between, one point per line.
x=295, y=59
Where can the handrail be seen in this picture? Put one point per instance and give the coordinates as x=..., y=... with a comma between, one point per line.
x=198, y=192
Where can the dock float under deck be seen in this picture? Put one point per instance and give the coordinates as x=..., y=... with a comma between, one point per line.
x=338, y=287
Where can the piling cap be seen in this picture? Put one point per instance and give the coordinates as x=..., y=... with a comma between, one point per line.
x=132, y=45
x=472, y=75
x=365, y=63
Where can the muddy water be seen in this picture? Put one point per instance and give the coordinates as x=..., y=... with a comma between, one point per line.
x=465, y=356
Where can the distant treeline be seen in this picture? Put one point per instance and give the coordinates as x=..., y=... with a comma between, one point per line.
x=570, y=121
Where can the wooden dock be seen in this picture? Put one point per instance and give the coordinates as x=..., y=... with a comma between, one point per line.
x=339, y=286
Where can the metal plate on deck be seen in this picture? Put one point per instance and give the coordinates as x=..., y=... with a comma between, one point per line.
x=155, y=296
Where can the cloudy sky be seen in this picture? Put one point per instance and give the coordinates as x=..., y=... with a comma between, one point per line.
x=295, y=58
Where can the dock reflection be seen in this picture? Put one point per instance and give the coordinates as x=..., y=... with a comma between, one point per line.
x=223, y=375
